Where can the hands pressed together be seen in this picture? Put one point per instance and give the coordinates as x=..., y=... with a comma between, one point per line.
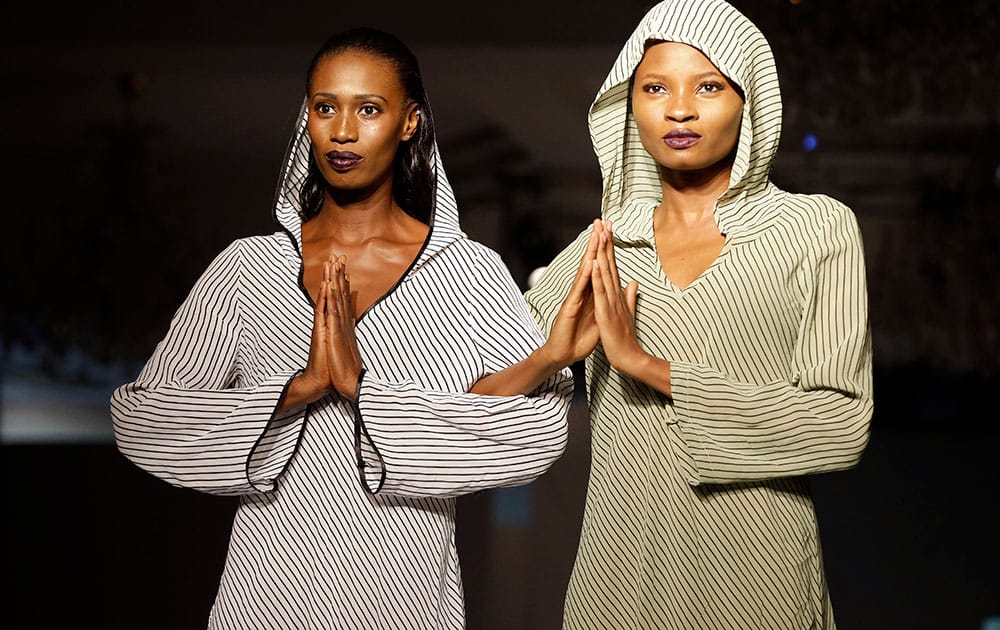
x=334, y=362
x=597, y=308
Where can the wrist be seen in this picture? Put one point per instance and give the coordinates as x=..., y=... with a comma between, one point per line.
x=548, y=360
x=633, y=362
x=647, y=368
x=302, y=390
x=347, y=386
x=311, y=386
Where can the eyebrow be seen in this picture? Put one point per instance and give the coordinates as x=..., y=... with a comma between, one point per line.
x=697, y=77
x=357, y=97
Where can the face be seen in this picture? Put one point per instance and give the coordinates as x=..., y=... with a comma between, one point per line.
x=688, y=114
x=358, y=115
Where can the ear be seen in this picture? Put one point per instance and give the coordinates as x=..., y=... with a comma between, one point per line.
x=412, y=122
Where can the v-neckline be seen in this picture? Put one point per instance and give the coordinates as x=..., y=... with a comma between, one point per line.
x=665, y=279
x=381, y=298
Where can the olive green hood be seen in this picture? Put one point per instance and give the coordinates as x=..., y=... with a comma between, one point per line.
x=740, y=51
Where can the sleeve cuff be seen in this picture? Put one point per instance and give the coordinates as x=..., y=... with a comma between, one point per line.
x=371, y=465
x=271, y=454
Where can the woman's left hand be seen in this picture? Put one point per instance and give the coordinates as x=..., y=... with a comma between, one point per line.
x=614, y=308
x=345, y=359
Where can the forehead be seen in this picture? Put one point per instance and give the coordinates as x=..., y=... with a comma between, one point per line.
x=355, y=72
x=674, y=57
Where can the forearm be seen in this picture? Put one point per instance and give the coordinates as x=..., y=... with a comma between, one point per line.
x=521, y=378
x=414, y=441
x=222, y=441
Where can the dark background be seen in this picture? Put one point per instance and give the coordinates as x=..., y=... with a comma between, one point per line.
x=139, y=140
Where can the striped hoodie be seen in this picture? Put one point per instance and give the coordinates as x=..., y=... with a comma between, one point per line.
x=346, y=516
x=698, y=511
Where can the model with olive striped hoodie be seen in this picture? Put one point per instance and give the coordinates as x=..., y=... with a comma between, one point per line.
x=758, y=362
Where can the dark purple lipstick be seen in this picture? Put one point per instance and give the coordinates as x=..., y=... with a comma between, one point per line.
x=681, y=138
x=343, y=160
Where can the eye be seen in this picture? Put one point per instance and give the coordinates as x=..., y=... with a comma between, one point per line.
x=654, y=88
x=711, y=87
x=368, y=110
x=324, y=108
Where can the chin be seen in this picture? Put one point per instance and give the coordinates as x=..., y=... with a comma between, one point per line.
x=685, y=166
x=692, y=163
x=343, y=181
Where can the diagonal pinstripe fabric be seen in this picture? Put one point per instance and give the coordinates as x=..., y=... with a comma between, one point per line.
x=698, y=511
x=312, y=545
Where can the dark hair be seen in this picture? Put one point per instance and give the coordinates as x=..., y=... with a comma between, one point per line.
x=414, y=179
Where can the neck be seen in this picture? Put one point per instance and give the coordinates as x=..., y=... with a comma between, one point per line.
x=690, y=194
x=353, y=215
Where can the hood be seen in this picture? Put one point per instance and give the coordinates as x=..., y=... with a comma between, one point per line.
x=444, y=222
x=740, y=51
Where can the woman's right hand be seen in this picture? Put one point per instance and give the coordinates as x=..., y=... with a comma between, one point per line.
x=574, y=333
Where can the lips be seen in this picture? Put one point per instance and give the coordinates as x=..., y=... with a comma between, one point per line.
x=342, y=160
x=681, y=138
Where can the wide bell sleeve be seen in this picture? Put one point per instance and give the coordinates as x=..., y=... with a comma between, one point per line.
x=817, y=421
x=413, y=441
x=189, y=418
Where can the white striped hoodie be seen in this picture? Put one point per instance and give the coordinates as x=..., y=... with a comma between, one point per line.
x=346, y=513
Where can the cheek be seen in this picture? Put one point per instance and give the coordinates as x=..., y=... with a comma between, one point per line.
x=386, y=136
x=736, y=118
x=727, y=129
x=648, y=129
x=314, y=131
x=650, y=141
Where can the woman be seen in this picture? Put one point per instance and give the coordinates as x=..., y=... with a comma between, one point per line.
x=736, y=360
x=343, y=345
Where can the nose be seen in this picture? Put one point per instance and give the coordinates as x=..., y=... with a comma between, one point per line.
x=344, y=128
x=681, y=108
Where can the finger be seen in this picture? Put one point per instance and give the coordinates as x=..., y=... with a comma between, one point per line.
x=347, y=302
x=340, y=279
x=597, y=281
x=321, y=293
x=601, y=297
x=610, y=285
x=582, y=282
x=331, y=329
x=582, y=276
x=320, y=322
x=612, y=264
x=595, y=233
x=336, y=292
x=328, y=270
x=344, y=294
x=332, y=313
